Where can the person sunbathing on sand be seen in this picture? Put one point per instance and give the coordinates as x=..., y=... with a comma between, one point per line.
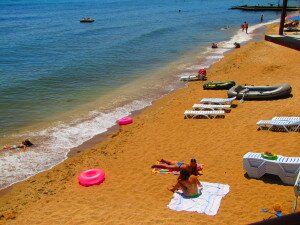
x=189, y=184
x=178, y=166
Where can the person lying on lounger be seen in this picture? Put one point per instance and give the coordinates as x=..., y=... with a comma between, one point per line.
x=192, y=168
x=188, y=183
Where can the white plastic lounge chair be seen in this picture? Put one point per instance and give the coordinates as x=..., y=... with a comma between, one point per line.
x=207, y=114
x=287, y=123
x=220, y=101
x=286, y=168
x=289, y=118
x=210, y=107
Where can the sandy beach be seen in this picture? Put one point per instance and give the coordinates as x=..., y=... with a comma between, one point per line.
x=131, y=194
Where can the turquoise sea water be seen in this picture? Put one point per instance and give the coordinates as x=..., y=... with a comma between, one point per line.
x=62, y=82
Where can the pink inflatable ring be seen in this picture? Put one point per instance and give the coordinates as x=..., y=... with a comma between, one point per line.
x=125, y=120
x=91, y=177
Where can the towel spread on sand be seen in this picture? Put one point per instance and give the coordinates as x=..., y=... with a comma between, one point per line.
x=208, y=202
x=165, y=171
x=169, y=171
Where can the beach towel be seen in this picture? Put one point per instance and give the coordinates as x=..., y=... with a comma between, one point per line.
x=207, y=202
x=169, y=171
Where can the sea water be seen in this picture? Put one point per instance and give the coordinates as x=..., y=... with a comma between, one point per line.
x=62, y=82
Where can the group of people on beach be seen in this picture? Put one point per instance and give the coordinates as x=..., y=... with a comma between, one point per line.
x=187, y=181
x=245, y=26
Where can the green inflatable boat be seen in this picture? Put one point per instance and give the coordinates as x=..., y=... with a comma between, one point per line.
x=218, y=85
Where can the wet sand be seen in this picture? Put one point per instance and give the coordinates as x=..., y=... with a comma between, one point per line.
x=131, y=194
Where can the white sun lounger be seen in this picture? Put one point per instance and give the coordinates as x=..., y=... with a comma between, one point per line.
x=220, y=101
x=207, y=114
x=189, y=78
x=287, y=123
x=289, y=118
x=286, y=168
x=210, y=107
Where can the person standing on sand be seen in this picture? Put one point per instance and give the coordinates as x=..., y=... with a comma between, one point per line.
x=246, y=27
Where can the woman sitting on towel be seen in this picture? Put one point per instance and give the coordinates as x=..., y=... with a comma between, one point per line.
x=192, y=168
x=189, y=184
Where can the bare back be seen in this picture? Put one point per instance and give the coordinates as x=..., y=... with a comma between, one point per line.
x=191, y=186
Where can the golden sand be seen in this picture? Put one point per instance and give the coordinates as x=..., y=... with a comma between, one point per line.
x=131, y=194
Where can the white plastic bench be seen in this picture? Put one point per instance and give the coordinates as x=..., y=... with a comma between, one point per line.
x=286, y=168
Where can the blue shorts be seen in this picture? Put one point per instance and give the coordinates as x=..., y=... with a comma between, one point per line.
x=179, y=164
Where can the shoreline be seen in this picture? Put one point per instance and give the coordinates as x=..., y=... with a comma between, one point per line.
x=256, y=35
x=156, y=132
x=101, y=137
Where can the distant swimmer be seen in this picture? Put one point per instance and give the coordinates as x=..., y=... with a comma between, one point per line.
x=237, y=45
x=225, y=28
x=179, y=10
x=214, y=45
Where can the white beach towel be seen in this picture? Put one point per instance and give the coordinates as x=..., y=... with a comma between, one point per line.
x=208, y=202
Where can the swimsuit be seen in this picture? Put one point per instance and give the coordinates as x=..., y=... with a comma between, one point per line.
x=194, y=195
x=179, y=164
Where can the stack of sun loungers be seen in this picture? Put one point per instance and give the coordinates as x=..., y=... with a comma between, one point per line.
x=280, y=123
x=210, y=108
x=191, y=77
x=286, y=168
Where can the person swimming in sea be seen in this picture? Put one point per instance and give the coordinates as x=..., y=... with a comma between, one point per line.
x=225, y=28
x=192, y=167
x=188, y=183
x=237, y=45
x=23, y=146
x=214, y=45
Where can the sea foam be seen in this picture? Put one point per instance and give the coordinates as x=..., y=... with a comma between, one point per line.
x=57, y=142
x=214, y=55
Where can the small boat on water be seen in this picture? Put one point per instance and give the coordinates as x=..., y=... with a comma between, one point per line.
x=87, y=20
x=270, y=7
x=260, y=92
x=222, y=85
